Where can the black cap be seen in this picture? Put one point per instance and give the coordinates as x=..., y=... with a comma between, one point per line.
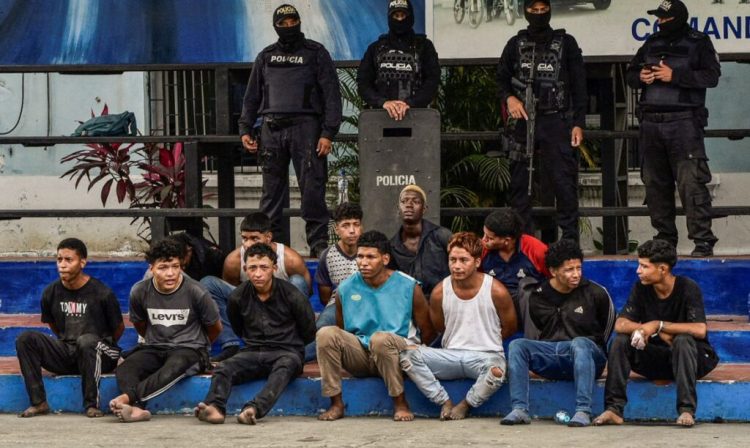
x=284, y=11
x=670, y=8
x=398, y=5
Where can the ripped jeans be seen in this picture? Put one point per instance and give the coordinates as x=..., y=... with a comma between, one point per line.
x=426, y=365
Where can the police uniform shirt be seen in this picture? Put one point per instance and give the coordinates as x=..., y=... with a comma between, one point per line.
x=176, y=319
x=572, y=73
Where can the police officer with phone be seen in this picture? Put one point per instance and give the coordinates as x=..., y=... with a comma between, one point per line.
x=673, y=69
x=294, y=88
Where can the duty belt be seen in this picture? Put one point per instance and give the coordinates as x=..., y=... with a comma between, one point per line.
x=278, y=122
x=664, y=117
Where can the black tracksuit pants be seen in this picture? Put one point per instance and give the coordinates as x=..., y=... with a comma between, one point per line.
x=280, y=367
x=150, y=371
x=295, y=140
x=558, y=175
x=90, y=356
x=684, y=362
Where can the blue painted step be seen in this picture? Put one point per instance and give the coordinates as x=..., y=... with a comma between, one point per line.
x=25, y=281
x=725, y=282
x=368, y=396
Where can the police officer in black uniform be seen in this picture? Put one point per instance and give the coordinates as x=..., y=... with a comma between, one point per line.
x=673, y=68
x=295, y=88
x=401, y=69
x=559, y=85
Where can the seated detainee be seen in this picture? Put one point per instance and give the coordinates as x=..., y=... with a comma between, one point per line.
x=201, y=257
x=275, y=321
x=661, y=334
x=177, y=319
x=513, y=258
x=575, y=318
x=85, y=317
x=337, y=263
x=475, y=313
x=254, y=228
x=378, y=313
x=419, y=247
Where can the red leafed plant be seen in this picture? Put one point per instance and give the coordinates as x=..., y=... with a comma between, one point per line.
x=161, y=167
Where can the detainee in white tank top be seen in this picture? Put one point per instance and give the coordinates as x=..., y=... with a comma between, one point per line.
x=471, y=324
x=280, y=267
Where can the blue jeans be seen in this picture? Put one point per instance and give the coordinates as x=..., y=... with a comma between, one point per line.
x=327, y=318
x=425, y=365
x=220, y=292
x=580, y=360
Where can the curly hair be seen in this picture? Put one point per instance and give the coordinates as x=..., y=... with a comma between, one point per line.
x=469, y=241
x=164, y=250
x=658, y=251
x=562, y=251
x=347, y=210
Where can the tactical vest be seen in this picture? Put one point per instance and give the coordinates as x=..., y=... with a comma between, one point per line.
x=551, y=92
x=399, y=73
x=290, y=82
x=677, y=55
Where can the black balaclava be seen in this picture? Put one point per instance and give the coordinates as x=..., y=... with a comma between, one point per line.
x=400, y=27
x=679, y=23
x=288, y=36
x=538, y=23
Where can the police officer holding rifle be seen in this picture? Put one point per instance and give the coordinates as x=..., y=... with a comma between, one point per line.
x=550, y=64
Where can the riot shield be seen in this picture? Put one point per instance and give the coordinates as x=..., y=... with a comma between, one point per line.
x=392, y=155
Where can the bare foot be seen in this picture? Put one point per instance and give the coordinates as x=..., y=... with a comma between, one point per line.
x=445, y=411
x=335, y=412
x=132, y=414
x=402, y=413
x=247, y=416
x=93, y=412
x=608, y=418
x=209, y=414
x=460, y=410
x=117, y=403
x=686, y=419
x=32, y=411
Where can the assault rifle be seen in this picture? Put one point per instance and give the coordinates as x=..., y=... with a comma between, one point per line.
x=529, y=103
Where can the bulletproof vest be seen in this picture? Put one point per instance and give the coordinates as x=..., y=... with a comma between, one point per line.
x=676, y=54
x=399, y=73
x=550, y=91
x=290, y=82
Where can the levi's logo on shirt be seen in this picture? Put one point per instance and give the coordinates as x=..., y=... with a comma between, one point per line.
x=73, y=308
x=168, y=318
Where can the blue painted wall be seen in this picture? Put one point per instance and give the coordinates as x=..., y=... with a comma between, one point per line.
x=102, y=32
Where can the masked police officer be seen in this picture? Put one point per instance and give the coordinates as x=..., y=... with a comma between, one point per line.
x=400, y=70
x=294, y=87
x=559, y=86
x=673, y=68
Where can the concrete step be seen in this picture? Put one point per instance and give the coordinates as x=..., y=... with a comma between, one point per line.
x=719, y=395
x=730, y=335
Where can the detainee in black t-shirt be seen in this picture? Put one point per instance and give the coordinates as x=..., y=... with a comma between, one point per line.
x=85, y=317
x=177, y=319
x=276, y=321
x=661, y=334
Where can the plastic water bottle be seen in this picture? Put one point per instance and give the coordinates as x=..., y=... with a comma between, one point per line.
x=562, y=417
x=343, y=186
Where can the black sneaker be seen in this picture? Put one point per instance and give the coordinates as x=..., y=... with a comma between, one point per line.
x=702, y=250
x=226, y=353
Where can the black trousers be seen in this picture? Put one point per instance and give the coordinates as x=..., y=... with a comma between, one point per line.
x=147, y=372
x=557, y=175
x=90, y=356
x=684, y=362
x=297, y=142
x=673, y=152
x=279, y=366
